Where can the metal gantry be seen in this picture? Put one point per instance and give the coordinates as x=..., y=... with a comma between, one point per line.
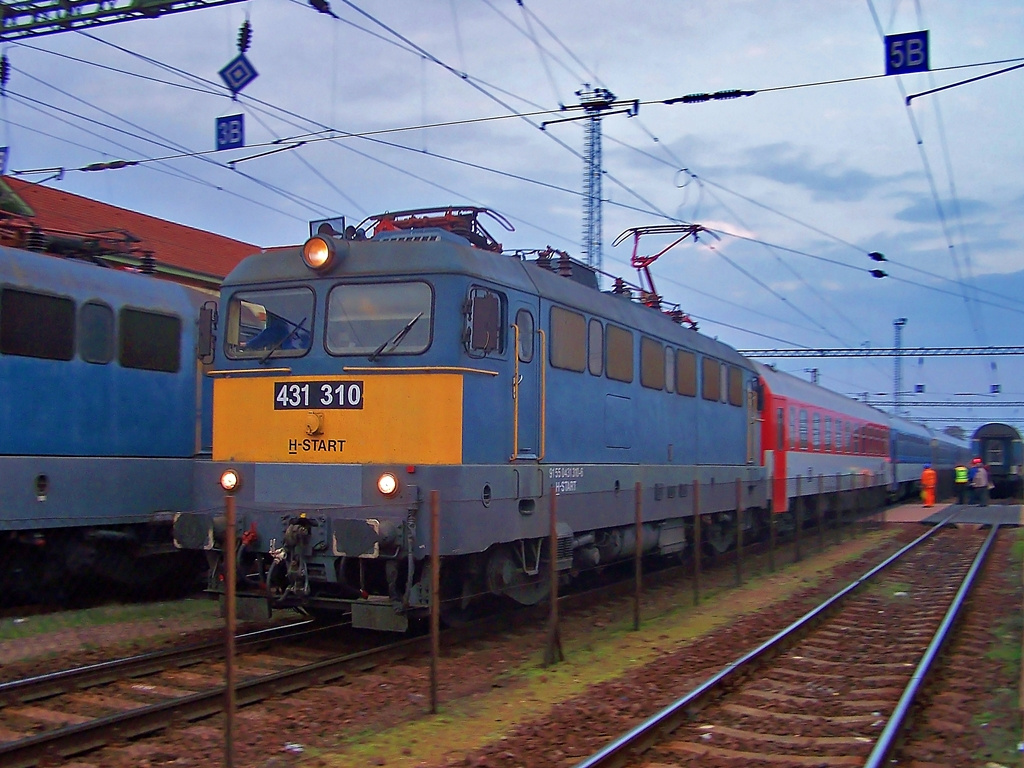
x=884, y=352
x=33, y=18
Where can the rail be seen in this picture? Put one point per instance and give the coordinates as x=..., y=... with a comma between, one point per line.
x=668, y=719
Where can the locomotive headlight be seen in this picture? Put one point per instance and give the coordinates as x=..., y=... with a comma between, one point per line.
x=387, y=484
x=318, y=252
x=230, y=480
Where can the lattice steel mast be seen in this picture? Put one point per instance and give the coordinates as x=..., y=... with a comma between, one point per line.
x=897, y=392
x=596, y=104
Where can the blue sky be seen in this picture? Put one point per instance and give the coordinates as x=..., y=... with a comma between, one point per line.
x=800, y=182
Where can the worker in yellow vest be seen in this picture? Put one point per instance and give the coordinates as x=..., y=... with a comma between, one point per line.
x=928, y=480
x=960, y=481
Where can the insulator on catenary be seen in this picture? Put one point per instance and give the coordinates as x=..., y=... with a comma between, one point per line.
x=244, y=36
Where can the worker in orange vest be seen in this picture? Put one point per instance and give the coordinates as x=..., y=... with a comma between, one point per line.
x=928, y=480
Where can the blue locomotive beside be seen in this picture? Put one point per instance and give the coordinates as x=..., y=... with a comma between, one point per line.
x=1000, y=447
x=102, y=414
x=360, y=371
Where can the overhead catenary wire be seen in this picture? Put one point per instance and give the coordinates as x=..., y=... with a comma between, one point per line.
x=636, y=209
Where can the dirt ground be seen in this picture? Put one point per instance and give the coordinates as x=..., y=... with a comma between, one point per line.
x=499, y=706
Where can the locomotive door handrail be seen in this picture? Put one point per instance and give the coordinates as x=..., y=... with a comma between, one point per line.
x=516, y=380
x=543, y=393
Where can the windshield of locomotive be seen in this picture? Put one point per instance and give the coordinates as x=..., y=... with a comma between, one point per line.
x=265, y=324
x=379, y=319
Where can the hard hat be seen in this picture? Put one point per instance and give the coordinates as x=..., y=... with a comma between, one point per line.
x=976, y=460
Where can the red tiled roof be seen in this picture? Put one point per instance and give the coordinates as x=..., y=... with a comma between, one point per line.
x=172, y=244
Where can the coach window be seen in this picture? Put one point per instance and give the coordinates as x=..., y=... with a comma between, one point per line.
x=524, y=322
x=780, y=427
x=735, y=385
x=847, y=440
x=856, y=439
x=816, y=431
x=711, y=376
x=595, y=347
x=272, y=323
x=652, y=364
x=619, y=365
x=379, y=319
x=149, y=341
x=827, y=442
x=96, y=333
x=839, y=435
x=686, y=373
x=568, y=340
x=36, y=325
x=803, y=429
x=792, y=427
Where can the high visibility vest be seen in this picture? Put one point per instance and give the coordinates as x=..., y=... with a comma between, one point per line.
x=960, y=474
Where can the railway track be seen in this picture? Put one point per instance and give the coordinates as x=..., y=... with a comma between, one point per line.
x=68, y=713
x=834, y=687
x=73, y=711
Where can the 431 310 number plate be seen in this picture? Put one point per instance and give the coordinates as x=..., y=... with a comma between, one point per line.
x=289, y=395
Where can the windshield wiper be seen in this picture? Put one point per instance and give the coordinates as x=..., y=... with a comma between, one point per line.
x=284, y=339
x=395, y=340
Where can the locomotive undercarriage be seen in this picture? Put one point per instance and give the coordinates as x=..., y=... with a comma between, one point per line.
x=391, y=587
x=79, y=566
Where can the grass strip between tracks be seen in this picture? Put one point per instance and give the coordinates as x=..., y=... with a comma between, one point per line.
x=593, y=655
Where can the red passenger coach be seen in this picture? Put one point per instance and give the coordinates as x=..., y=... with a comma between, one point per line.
x=810, y=432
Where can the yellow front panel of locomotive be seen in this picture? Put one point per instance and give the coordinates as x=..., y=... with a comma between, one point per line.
x=402, y=418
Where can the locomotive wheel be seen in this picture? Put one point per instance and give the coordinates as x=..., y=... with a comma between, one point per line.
x=506, y=576
x=719, y=531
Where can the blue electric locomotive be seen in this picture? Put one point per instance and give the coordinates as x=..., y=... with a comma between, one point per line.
x=358, y=372
x=101, y=417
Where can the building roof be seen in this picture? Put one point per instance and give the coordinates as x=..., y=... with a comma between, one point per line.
x=181, y=252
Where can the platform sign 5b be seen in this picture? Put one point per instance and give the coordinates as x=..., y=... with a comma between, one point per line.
x=906, y=53
x=230, y=132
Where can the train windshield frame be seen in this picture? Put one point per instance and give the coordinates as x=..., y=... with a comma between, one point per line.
x=269, y=323
x=378, y=319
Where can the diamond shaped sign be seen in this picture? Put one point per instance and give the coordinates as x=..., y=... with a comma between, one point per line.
x=238, y=73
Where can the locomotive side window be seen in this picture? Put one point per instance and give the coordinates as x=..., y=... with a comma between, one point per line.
x=595, y=348
x=620, y=354
x=274, y=323
x=735, y=384
x=96, y=333
x=712, y=376
x=670, y=369
x=568, y=340
x=524, y=321
x=686, y=373
x=486, y=326
x=652, y=364
x=381, y=319
x=149, y=341
x=36, y=325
